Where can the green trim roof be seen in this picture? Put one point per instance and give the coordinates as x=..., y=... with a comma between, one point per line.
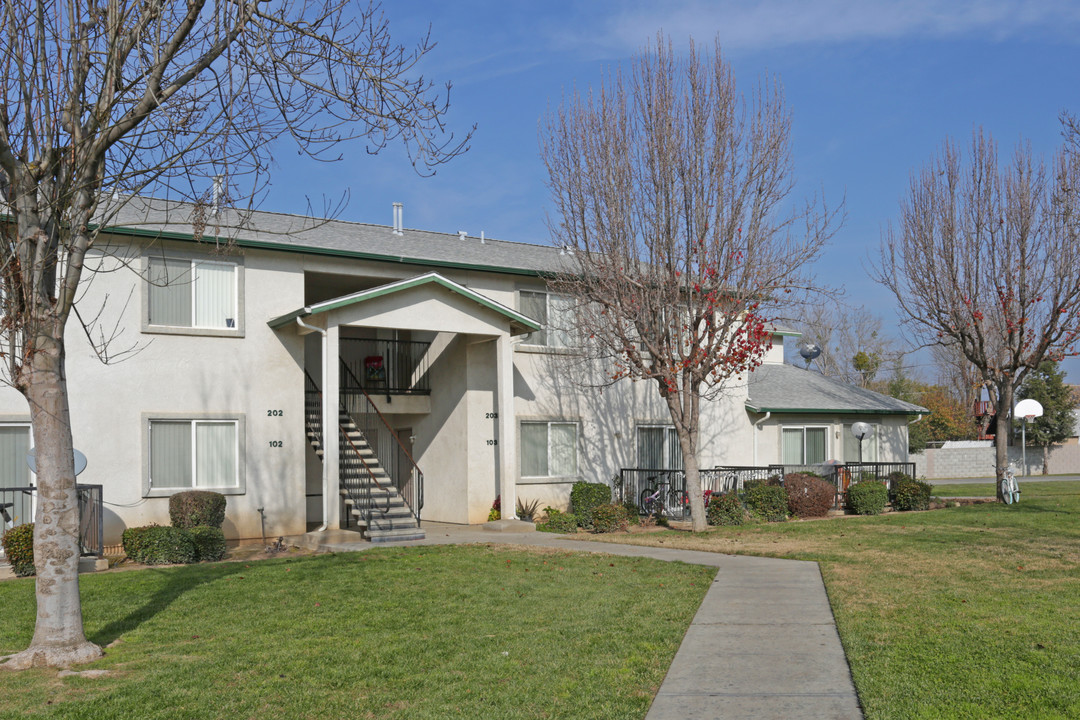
x=154, y=219
x=782, y=389
x=519, y=324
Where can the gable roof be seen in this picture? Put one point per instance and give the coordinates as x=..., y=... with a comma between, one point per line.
x=153, y=218
x=788, y=389
x=519, y=323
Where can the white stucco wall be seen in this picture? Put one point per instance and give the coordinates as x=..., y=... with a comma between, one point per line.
x=891, y=433
x=189, y=375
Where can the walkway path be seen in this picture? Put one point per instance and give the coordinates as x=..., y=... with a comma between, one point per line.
x=762, y=645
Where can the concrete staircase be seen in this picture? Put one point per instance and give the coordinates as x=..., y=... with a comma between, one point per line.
x=362, y=478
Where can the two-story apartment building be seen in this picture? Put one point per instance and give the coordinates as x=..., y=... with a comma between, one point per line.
x=433, y=359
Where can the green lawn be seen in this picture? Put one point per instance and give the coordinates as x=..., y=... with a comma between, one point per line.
x=1033, y=488
x=968, y=612
x=425, y=632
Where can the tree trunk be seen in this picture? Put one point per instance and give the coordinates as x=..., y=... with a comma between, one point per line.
x=685, y=420
x=58, y=640
x=1003, y=427
x=1046, y=459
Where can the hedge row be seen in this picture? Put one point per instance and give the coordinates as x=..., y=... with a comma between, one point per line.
x=160, y=544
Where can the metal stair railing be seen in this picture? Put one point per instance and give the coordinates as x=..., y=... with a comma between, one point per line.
x=357, y=491
x=403, y=472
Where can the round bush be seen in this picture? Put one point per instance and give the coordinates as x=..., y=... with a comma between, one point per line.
x=558, y=522
x=585, y=496
x=808, y=495
x=209, y=543
x=867, y=497
x=610, y=518
x=725, y=509
x=908, y=494
x=158, y=545
x=18, y=545
x=193, y=508
x=768, y=502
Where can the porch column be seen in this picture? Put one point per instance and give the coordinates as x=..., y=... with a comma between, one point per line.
x=508, y=464
x=331, y=387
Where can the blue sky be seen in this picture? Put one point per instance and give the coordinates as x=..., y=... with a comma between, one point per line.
x=873, y=88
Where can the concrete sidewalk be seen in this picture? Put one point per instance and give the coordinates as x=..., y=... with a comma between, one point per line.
x=762, y=645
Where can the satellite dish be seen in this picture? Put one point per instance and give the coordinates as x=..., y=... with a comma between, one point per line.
x=860, y=430
x=80, y=461
x=1028, y=408
x=809, y=351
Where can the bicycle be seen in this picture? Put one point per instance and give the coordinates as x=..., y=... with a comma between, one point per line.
x=1010, y=489
x=652, y=501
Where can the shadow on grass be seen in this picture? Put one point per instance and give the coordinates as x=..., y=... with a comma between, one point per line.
x=179, y=581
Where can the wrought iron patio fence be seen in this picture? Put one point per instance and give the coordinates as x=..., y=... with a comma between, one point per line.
x=17, y=508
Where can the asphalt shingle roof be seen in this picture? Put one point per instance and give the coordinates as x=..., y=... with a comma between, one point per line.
x=786, y=388
x=150, y=217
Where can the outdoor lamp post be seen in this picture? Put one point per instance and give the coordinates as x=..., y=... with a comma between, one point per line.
x=860, y=430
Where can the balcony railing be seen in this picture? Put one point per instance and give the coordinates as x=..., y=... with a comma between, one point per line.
x=17, y=508
x=388, y=367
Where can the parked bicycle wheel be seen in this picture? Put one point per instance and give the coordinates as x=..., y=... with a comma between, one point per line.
x=645, y=502
x=1006, y=489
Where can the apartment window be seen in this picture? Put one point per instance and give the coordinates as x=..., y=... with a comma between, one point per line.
x=553, y=312
x=548, y=449
x=14, y=444
x=658, y=448
x=804, y=445
x=192, y=293
x=869, y=445
x=201, y=454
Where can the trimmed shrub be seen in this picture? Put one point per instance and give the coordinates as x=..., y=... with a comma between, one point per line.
x=585, y=496
x=909, y=494
x=725, y=509
x=159, y=544
x=209, y=543
x=867, y=497
x=610, y=518
x=132, y=540
x=768, y=502
x=18, y=545
x=193, y=508
x=632, y=510
x=557, y=521
x=808, y=495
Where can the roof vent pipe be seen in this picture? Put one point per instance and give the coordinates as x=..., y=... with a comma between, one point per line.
x=219, y=193
x=398, y=223
x=482, y=242
x=462, y=234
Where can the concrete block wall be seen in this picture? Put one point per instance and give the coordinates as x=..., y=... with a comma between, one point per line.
x=941, y=463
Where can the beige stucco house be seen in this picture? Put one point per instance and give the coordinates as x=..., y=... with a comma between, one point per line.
x=429, y=356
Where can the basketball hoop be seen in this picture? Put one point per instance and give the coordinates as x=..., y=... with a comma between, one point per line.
x=1029, y=418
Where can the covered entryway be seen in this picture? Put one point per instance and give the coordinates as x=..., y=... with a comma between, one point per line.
x=424, y=354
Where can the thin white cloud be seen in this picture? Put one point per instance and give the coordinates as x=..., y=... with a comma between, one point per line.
x=743, y=25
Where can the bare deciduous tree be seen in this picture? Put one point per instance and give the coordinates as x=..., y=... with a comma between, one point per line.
x=669, y=189
x=984, y=258
x=162, y=95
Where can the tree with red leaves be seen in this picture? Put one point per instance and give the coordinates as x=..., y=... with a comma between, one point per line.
x=668, y=187
x=984, y=260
